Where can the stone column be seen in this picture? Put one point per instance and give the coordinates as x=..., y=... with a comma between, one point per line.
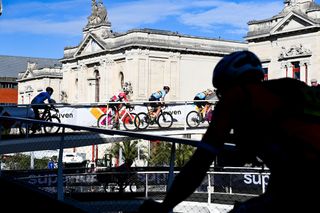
x=109, y=63
x=286, y=68
x=305, y=73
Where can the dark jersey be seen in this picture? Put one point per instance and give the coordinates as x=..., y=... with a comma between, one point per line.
x=269, y=120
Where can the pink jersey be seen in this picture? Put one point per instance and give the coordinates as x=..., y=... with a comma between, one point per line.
x=121, y=97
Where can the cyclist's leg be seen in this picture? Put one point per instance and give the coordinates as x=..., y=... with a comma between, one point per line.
x=153, y=111
x=202, y=111
x=35, y=127
x=158, y=109
x=36, y=112
x=206, y=109
x=116, y=109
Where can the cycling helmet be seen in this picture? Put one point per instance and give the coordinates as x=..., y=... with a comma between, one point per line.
x=209, y=91
x=49, y=89
x=232, y=69
x=166, y=88
x=314, y=80
x=127, y=88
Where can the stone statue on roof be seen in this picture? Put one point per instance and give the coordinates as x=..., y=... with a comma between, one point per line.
x=297, y=5
x=99, y=15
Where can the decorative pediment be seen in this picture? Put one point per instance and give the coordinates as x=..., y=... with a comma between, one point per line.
x=31, y=66
x=294, y=51
x=89, y=45
x=27, y=74
x=292, y=22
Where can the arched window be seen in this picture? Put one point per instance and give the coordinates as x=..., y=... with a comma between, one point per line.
x=121, y=77
x=306, y=72
x=97, y=85
x=77, y=88
x=266, y=72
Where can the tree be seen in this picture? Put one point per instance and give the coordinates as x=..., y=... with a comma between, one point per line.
x=22, y=161
x=129, y=150
x=183, y=154
x=161, y=152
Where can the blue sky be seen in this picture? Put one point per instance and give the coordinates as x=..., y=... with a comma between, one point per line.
x=42, y=28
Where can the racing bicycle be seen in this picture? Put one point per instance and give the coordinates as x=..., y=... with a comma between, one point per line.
x=45, y=115
x=126, y=117
x=164, y=119
x=195, y=117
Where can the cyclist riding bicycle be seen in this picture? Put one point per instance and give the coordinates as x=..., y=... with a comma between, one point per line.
x=272, y=120
x=202, y=105
x=158, y=96
x=39, y=102
x=116, y=107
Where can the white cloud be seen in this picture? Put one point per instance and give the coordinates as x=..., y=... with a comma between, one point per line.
x=69, y=17
x=204, y=15
x=231, y=14
x=135, y=14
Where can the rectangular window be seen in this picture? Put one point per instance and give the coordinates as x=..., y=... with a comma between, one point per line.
x=296, y=70
x=265, y=70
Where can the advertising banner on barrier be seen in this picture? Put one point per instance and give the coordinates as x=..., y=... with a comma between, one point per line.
x=245, y=183
x=87, y=116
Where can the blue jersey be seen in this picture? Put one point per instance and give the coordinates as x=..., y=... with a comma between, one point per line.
x=201, y=96
x=159, y=95
x=40, y=98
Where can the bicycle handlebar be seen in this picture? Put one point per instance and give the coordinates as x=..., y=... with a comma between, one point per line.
x=130, y=107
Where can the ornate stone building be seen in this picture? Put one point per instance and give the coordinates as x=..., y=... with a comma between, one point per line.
x=288, y=43
x=36, y=79
x=97, y=68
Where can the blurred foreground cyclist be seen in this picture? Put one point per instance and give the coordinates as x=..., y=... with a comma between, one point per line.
x=275, y=120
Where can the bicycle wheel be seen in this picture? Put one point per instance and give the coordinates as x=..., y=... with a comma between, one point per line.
x=143, y=120
x=130, y=122
x=52, y=129
x=106, y=121
x=165, y=120
x=193, y=119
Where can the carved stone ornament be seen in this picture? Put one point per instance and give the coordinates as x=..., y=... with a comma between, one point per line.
x=294, y=51
x=106, y=34
x=98, y=14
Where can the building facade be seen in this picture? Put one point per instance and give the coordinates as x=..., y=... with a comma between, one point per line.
x=97, y=68
x=8, y=90
x=11, y=67
x=149, y=59
x=288, y=43
x=35, y=80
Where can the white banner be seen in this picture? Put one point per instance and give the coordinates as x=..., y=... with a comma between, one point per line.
x=89, y=116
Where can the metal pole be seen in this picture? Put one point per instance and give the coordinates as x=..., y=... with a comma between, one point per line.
x=32, y=160
x=262, y=182
x=60, y=191
x=27, y=135
x=120, y=156
x=171, y=170
x=209, y=189
x=185, y=115
x=146, y=194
